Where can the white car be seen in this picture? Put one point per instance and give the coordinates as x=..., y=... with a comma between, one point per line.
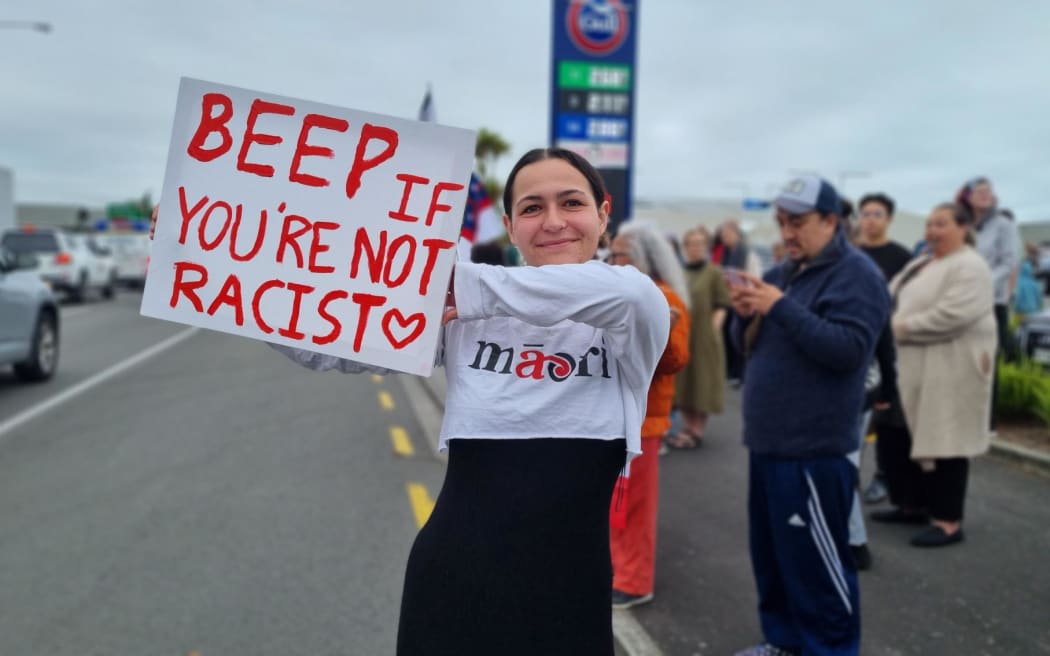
x=72, y=263
x=28, y=319
x=1033, y=337
x=130, y=255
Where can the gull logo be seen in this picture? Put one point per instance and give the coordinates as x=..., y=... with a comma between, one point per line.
x=597, y=27
x=795, y=520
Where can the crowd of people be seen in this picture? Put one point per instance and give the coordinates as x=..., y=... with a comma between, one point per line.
x=635, y=352
x=848, y=333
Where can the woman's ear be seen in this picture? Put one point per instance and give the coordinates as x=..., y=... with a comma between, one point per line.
x=506, y=226
x=603, y=215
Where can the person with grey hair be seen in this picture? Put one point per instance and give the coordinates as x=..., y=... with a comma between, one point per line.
x=651, y=254
x=632, y=534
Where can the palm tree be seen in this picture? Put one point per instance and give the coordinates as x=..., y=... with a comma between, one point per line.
x=490, y=147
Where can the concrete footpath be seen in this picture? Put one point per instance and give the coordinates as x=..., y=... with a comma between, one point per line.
x=988, y=596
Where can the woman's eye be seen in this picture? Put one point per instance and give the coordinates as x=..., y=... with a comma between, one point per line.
x=574, y=202
x=528, y=209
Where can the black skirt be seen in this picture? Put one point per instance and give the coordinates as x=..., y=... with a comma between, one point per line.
x=515, y=556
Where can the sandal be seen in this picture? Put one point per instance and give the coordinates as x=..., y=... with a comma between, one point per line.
x=683, y=439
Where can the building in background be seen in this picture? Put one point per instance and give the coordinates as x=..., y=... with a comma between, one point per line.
x=1036, y=232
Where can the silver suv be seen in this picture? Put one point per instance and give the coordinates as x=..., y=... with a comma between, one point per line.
x=72, y=263
x=28, y=318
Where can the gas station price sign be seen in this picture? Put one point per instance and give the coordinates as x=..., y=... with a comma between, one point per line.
x=592, y=89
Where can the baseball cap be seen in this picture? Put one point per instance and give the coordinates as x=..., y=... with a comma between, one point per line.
x=808, y=194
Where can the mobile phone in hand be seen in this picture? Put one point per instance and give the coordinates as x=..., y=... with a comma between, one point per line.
x=734, y=279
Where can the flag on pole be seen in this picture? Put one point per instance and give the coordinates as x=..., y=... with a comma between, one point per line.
x=481, y=223
x=426, y=110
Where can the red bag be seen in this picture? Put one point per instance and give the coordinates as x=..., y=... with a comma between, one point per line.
x=618, y=506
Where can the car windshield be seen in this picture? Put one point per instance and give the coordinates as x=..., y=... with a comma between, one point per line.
x=30, y=242
x=126, y=244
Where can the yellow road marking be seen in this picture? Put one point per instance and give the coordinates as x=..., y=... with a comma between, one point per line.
x=422, y=504
x=402, y=445
x=376, y=378
x=385, y=400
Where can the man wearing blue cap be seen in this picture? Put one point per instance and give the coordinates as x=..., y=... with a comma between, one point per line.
x=809, y=330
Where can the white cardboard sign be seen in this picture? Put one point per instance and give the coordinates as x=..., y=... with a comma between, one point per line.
x=319, y=227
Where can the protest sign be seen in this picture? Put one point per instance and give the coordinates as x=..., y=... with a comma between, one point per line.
x=298, y=223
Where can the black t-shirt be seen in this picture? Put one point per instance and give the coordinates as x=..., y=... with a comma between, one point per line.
x=891, y=257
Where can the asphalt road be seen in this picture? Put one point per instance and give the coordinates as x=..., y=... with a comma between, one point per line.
x=214, y=499
x=989, y=596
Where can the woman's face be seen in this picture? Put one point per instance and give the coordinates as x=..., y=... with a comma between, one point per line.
x=694, y=248
x=981, y=196
x=554, y=218
x=620, y=251
x=943, y=234
x=730, y=237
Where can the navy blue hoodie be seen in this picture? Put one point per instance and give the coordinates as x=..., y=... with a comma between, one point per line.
x=808, y=361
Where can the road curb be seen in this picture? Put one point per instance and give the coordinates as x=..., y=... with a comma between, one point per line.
x=1021, y=454
x=427, y=399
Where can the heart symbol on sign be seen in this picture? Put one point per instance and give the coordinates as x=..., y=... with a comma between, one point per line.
x=413, y=323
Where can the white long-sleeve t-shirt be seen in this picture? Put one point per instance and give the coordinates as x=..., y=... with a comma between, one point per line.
x=553, y=351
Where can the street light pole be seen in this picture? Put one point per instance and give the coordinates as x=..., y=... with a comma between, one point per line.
x=37, y=26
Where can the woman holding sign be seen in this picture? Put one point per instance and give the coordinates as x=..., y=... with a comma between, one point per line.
x=548, y=367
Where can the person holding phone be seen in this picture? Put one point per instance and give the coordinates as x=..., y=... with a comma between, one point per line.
x=808, y=329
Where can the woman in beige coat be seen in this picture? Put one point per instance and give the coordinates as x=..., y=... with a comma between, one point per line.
x=944, y=323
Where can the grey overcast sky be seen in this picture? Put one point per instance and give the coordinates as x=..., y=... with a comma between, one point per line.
x=920, y=94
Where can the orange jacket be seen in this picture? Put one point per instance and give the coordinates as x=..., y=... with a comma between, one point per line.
x=675, y=357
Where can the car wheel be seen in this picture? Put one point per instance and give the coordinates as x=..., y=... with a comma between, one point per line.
x=79, y=293
x=43, y=359
x=111, y=285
